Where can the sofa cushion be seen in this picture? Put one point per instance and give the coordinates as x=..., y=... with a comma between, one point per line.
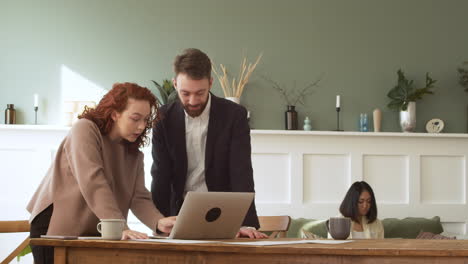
x=410, y=227
x=316, y=227
x=296, y=225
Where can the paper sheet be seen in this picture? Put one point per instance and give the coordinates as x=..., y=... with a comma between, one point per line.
x=274, y=243
x=175, y=241
x=332, y=242
x=248, y=243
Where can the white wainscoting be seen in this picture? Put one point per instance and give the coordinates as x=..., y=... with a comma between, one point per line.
x=306, y=174
x=26, y=153
x=302, y=174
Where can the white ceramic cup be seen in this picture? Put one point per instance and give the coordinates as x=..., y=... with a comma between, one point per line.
x=111, y=228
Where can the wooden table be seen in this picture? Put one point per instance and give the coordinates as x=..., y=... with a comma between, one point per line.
x=360, y=251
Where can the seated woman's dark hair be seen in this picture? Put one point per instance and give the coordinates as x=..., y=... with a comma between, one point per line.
x=349, y=206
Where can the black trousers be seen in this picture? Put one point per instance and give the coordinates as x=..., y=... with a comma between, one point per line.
x=39, y=226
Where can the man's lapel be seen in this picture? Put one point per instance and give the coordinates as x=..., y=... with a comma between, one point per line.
x=213, y=128
x=179, y=142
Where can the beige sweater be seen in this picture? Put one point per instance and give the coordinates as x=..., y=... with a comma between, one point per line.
x=93, y=178
x=374, y=230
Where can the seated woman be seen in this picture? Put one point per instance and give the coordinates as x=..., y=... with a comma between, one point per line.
x=98, y=172
x=359, y=205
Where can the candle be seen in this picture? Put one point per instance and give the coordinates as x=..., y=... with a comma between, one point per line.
x=337, y=101
x=36, y=100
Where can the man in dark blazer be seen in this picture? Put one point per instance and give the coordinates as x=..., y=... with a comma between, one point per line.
x=201, y=143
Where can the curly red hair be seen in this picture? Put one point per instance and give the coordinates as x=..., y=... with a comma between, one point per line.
x=116, y=100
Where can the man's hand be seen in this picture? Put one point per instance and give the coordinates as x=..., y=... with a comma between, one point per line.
x=131, y=234
x=166, y=224
x=250, y=233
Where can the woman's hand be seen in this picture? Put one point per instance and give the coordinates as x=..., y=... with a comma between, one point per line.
x=131, y=234
x=166, y=224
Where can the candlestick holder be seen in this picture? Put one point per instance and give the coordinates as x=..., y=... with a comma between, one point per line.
x=338, y=119
x=35, y=114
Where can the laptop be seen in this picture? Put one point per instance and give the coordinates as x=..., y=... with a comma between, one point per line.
x=211, y=215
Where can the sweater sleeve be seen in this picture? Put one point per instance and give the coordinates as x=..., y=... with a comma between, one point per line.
x=142, y=204
x=381, y=231
x=84, y=154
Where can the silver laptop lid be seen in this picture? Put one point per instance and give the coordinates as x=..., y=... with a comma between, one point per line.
x=211, y=215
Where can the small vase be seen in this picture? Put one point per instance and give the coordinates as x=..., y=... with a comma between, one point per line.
x=377, y=117
x=408, y=118
x=234, y=99
x=10, y=114
x=291, y=118
x=237, y=101
x=307, y=125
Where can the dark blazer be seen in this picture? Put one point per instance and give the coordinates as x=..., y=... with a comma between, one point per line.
x=228, y=165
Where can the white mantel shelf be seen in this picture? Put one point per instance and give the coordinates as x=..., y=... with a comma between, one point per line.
x=355, y=133
x=35, y=127
x=272, y=132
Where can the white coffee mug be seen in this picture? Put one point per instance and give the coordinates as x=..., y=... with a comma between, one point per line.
x=111, y=228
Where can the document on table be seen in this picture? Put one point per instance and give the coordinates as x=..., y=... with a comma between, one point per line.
x=175, y=241
x=274, y=243
x=249, y=243
x=331, y=242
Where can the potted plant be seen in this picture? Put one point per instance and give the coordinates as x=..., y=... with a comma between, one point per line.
x=403, y=98
x=463, y=81
x=165, y=93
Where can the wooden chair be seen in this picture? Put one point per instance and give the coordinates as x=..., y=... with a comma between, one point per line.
x=15, y=227
x=277, y=225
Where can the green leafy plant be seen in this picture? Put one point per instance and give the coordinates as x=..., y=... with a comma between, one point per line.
x=463, y=76
x=165, y=93
x=405, y=92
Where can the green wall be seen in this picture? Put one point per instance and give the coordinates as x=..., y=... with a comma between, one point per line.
x=356, y=46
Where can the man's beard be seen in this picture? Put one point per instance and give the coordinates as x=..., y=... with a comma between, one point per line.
x=195, y=112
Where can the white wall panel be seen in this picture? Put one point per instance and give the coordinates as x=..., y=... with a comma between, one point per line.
x=443, y=179
x=272, y=176
x=388, y=177
x=326, y=177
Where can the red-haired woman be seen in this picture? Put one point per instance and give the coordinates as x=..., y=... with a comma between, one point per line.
x=98, y=172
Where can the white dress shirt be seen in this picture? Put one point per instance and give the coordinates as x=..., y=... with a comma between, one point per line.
x=196, y=130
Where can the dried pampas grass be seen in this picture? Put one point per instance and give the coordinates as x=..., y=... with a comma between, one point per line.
x=234, y=88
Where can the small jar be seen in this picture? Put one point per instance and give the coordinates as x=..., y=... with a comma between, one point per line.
x=363, y=124
x=10, y=114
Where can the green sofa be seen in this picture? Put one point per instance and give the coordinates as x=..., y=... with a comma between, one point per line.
x=394, y=228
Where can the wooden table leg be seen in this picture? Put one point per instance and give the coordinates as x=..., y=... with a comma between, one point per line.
x=60, y=255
